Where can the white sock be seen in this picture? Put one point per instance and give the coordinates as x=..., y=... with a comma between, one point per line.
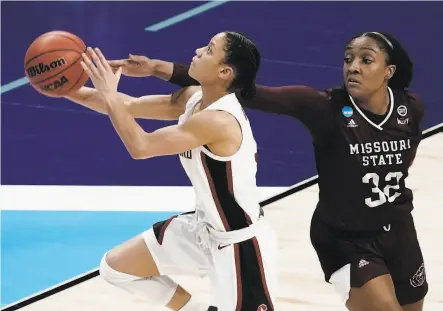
x=195, y=305
x=158, y=289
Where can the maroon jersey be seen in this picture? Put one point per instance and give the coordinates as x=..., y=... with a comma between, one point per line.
x=362, y=158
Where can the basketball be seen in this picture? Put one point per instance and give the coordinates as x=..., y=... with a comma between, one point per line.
x=52, y=63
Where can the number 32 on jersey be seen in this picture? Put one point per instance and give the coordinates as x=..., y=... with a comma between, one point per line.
x=388, y=193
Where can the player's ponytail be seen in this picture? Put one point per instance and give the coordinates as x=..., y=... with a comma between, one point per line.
x=244, y=57
x=248, y=91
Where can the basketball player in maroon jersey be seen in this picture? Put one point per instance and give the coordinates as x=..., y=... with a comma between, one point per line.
x=365, y=136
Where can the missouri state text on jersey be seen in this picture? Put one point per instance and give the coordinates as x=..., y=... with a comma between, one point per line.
x=381, y=153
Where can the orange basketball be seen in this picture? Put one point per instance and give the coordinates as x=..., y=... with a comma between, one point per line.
x=52, y=63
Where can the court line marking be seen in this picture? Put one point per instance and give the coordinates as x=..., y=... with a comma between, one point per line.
x=171, y=21
x=94, y=273
x=438, y=128
x=14, y=85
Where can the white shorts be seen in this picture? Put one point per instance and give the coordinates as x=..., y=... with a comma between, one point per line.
x=243, y=276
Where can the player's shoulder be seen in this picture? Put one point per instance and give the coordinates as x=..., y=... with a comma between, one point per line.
x=408, y=97
x=211, y=123
x=223, y=112
x=337, y=96
x=412, y=101
x=220, y=112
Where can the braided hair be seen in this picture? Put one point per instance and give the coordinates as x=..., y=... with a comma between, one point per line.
x=244, y=57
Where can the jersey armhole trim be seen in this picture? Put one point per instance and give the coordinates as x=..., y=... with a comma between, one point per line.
x=192, y=99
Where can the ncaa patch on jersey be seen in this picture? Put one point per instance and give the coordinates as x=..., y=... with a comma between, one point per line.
x=347, y=111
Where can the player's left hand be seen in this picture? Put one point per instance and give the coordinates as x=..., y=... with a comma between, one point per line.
x=102, y=76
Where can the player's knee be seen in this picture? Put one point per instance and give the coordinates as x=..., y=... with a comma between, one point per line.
x=106, y=271
x=113, y=276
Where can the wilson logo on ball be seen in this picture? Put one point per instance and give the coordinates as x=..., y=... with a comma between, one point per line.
x=42, y=68
x=56, y=84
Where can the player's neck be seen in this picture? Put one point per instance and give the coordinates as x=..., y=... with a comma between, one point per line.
x=211, y=94
x=378, y=103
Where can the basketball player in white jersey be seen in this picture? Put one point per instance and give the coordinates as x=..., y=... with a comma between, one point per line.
x=226, y=237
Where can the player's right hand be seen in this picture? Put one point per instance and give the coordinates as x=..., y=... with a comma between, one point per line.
x=134, y=66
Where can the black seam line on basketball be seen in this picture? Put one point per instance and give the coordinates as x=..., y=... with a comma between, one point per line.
x=95, y=273
x=50, y=51
x=76, y=82
x=66, y=37
x=60, y=72
x=75, y=42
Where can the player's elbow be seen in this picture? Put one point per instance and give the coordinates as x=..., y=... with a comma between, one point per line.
x=139, y=150
x=144, y=147
x=138, y=153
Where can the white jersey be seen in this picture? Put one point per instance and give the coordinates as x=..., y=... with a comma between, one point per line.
x=225, y=187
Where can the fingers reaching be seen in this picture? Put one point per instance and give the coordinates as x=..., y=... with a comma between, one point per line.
x=88, y=66
x=97, y=61
x=102, y=59
x=116, y=63
x=118, y=73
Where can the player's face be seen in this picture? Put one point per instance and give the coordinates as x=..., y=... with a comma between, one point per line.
x=207, y=65
x=365, y=70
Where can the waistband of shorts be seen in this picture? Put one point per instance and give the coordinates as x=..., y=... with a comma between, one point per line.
x=399, y=220
x=237, y=236
x=396, y=220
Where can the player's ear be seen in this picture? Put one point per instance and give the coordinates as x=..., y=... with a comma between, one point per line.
x=226, y=73
x=390, y=71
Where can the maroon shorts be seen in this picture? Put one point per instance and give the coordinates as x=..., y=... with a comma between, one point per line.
x=393, y=249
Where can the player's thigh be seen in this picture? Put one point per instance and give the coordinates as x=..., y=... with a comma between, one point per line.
x=245, y=276
x=377, y=294
x=406, y=264
x=365, y=284
x=173, y=246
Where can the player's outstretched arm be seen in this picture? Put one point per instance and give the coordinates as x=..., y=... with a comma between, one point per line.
x=298, y=101
x=205, y=127
x=161, y=107
x=156, y=107
x=91, y=98
x=305, y=103
x=295, y=100
x=141, y=66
